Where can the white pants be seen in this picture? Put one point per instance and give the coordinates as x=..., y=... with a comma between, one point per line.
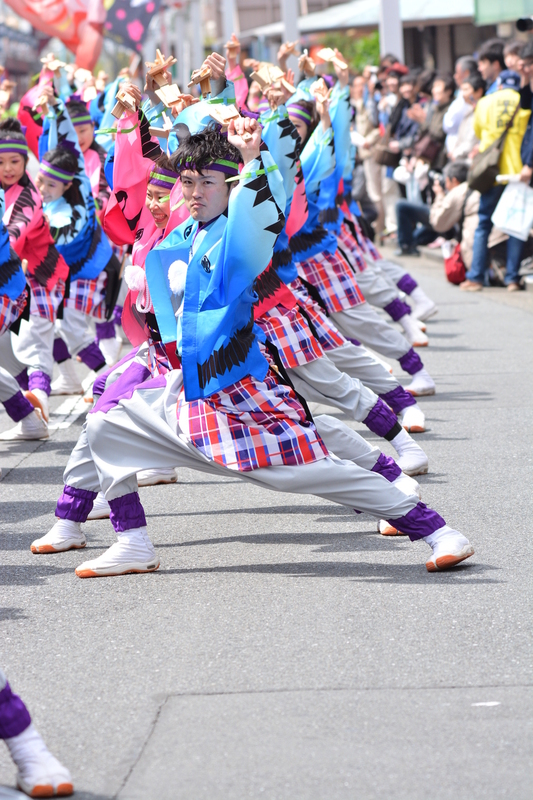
x=8, y=359
x=34, y=345
x=359, y=363
x=375, y=288
x=143, y=432
x=362, y=323
x=76, y=329
x=8, y=386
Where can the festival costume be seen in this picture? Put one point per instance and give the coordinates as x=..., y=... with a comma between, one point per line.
x=79, y=238
x=39, y=774
x=223, y=411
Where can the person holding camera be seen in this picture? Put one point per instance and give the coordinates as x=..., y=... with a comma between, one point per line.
x=455, y=204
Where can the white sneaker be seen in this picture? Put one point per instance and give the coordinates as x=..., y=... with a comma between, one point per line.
x=134, y=552
x=39, y=774
x=411, y=458
x=424, y=307
x=153, y=477
x=386, y=529
x=101, y=508
x=449, y=548
x=422, y=384
x=412, y=419
x=64, y=535
x=412, y=332
x=31, y=427
x=68, y=381
x=419, y=324
x=110, y=349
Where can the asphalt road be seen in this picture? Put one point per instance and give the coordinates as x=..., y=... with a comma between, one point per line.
x=285, y=650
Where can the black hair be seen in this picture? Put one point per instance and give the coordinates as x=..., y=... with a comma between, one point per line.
x=394, y=74
x=448, y=81
x=389, y=57
x=513, y=48
x=424, y=81
x=66, y=160
x=408, y=79
x=164, y=162
x=310, y=108
x=75, y=108
x=202, y=149
x=467, y=63
x=527, y=51
x=11, y=128
x=492, y=51
x=476, y=82
x=457, y=170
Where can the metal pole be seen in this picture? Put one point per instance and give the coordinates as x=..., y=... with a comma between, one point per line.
x=390, y=28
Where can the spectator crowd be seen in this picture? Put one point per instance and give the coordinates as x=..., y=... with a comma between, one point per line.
x=418, y=135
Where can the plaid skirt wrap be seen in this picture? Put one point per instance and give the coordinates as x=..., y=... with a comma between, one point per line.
x=328, y=335
x=45, y=303
x=251, y=424
x=350, y=247
x=289, y=331
x=10, y=310
x=88, y=296
x=331, y=274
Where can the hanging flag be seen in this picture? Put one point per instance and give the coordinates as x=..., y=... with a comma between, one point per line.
x=128, y=20
x=77, y=23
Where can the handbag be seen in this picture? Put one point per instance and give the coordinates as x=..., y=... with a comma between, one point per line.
x=384, y=156
x=427, y=148
x=485, y=166
x=454, y=266
x=514, y=213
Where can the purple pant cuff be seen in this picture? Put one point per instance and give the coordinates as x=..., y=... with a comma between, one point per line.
x=92, y=356
x=22, y=379
x=398, y=399
x=39, y=380
x=411, y=362
x=61, y=352
x=117, y=315
x=14, y=716
x=421, y=521
x=105, y=330
x=127, y=512
x=406, y=284
x=381, y=419
x=75, y=504
x=387, y=467
x=397, y=309
x=354, y=341
x=17, y=407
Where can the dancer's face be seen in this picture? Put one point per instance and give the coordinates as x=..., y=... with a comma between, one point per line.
x=85, y=136
x=206, y=196
x=158, y=203
x=12, y=167
x=300, y=126
x=51, y=190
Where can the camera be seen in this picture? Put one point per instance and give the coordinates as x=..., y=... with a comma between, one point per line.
x=433, y=176
x=525, y=24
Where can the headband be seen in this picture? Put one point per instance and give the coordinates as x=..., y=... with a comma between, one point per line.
x=163, y=177
x=61, y=175
x=13, y=146
x=300, y=112
x=81, y=120
x=220, y=165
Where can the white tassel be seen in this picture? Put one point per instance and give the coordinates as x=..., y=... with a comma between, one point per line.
x=177, y=273
x=135, y=278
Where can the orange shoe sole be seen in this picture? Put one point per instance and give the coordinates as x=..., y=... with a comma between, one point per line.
x=414, y=429
x=47, y=548
x=89, y=573
x=446, y=562
x=36, y=403
x=420, y=344
x=390, y=530
x=65, y=790
x=42, y=791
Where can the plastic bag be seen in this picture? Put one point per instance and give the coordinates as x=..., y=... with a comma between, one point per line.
x=514, y=213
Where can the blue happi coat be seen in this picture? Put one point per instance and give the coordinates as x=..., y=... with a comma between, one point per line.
x=215, y=333
x=77, y=234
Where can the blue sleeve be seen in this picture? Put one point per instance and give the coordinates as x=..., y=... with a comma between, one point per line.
x=318, y=158
x=281, y=138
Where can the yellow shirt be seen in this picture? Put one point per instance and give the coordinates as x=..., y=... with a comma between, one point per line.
x=491, y=115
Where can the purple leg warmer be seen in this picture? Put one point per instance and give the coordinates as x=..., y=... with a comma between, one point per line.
x=419, y=522
x=397, y=309
x=22, y=379
x=92, y=356
x=61, y=352
x=398, y=399
x=127, y=512
x=381, y=419
x=387, y=467
x=17, y=407
x=14, y=716
x=39, y=380
x=411, y=362
x=406, y=284
x=75, y=504
x=105, y=330
x=117, y=315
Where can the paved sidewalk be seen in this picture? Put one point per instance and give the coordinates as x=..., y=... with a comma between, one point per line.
x=285, y=650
